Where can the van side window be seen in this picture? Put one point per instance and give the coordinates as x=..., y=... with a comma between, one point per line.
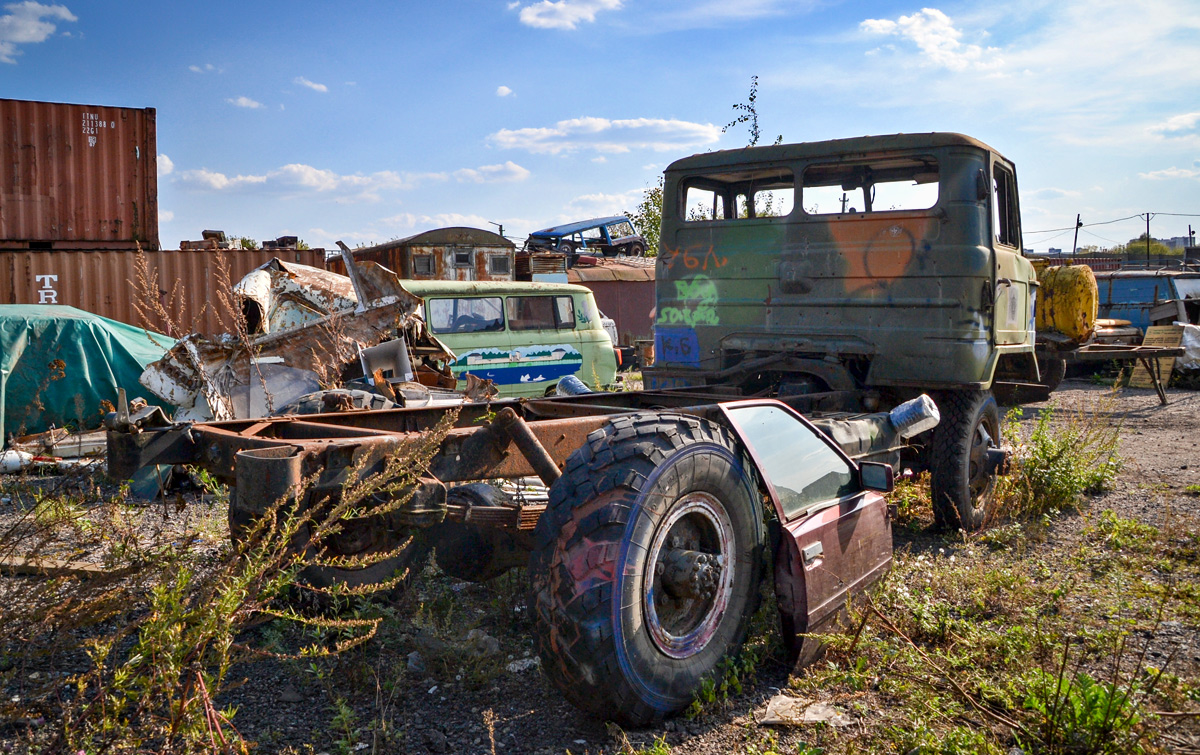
x=1005, y=217
x=540, y=313
x=466, y=315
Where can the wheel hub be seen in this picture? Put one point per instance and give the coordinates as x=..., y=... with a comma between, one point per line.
x=690, y=575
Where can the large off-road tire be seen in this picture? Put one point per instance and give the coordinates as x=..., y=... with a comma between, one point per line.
x=962, y=483
x=359, y=538
x=646, y=565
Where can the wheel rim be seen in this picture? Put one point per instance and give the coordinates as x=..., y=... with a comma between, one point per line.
x=980, y=484
x=689, y=576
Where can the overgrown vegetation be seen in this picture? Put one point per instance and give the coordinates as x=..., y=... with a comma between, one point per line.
x=147, y=625
x=970, y=650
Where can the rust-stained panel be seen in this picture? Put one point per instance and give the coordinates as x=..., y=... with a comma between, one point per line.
x=100, y=281
x=624, y=291
x=450, y=254
x=75, y=176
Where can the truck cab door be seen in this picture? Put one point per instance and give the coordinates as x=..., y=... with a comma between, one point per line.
x=1014, y=294
x=832, y=539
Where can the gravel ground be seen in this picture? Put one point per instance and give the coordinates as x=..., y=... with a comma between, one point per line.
x=453, y=669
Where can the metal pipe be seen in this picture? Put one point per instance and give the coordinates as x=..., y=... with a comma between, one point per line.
x=511, y=424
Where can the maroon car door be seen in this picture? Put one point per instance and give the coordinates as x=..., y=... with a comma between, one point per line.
x=834, y=537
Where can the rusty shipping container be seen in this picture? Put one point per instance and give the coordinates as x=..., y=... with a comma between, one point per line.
x=104, y=282
x=443, y=254
x=77, y=176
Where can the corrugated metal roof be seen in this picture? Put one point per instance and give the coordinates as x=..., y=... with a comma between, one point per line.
x=441, y=237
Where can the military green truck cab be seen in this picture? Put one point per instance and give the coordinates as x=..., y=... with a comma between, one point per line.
x=882, y=266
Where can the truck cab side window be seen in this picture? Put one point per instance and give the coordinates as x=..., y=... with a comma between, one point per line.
x=1006, y=218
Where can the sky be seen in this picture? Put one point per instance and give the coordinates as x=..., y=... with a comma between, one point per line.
x=367, y=121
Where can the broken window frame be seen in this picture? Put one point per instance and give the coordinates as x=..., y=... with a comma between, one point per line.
x=499, y=264
x=737, y=196
x=864, y=176
x=423, y=264
x=1006, y=210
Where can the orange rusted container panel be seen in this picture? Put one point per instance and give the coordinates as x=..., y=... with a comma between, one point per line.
x=105, y=282
x=77, y=176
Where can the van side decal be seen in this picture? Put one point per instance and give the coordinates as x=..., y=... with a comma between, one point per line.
x=525, y=364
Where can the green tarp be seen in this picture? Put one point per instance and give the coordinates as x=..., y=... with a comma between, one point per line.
x=57, y=364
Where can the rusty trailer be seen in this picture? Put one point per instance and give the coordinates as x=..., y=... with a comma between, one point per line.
x=462, y=254
x=645, y=563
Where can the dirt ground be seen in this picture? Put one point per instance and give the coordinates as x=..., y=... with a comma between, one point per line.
x=453, y=668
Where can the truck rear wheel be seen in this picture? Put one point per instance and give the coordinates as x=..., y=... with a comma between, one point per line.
x=646, y=565
x=962, y=481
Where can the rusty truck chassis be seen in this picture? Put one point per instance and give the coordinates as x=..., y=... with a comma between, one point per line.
x=266, y=459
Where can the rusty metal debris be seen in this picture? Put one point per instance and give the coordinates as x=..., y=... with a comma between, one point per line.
x=300, y=327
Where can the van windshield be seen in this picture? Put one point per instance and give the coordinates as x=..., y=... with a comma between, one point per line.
x=465, y=315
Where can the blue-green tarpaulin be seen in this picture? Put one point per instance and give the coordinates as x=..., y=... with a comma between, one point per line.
x=58, y=364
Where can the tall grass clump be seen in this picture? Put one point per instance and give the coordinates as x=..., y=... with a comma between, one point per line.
x=1068, y=453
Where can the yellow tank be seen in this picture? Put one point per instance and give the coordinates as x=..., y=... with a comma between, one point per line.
x=1067, y=301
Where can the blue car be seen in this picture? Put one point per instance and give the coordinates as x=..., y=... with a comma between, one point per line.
x=608, y=237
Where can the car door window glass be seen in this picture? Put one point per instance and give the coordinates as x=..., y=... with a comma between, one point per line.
x=804, y=470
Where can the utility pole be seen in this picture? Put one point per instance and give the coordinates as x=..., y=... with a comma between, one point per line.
x=1075, y=244
x=498, y=225
x=1147, y=241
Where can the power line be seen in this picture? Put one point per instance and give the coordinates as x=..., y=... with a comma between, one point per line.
x=1106, y=222
x=1139, y=216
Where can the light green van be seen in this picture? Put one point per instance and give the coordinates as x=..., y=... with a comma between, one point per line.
x=521, y=336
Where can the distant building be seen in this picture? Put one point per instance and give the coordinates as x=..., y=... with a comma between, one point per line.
x=1177, y=242
x=1054, y=252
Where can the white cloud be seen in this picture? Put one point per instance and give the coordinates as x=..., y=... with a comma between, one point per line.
x=1187, y=124
x=310, y=84
x=165, y=166
x=206, y=179
x=514, y=5
x=599, y=159
x=206, y=68
x=505, y=173
x=244, y=102
x=600, y=204
x=28, y=23
x=937, y=38
x=1155, y=175
x=607, y=136
x=165, y=216
x=408, y=220
x=564, y=14
x=503, y=91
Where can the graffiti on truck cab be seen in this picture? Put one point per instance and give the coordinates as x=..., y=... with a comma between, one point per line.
x=697, y=297
x=694, y=260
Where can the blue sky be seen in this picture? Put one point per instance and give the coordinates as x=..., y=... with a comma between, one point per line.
x=367, y=121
